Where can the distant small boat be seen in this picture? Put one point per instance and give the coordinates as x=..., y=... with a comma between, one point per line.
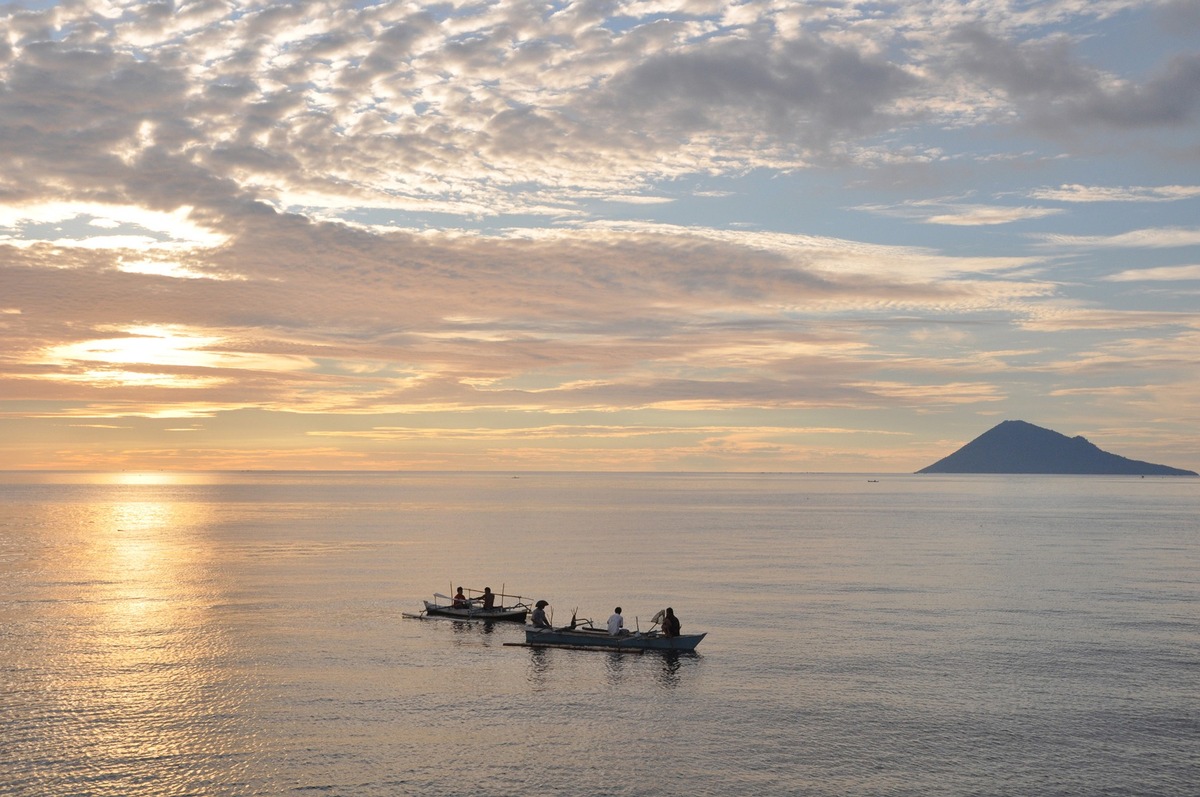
x=445, y=606
x=586, y=637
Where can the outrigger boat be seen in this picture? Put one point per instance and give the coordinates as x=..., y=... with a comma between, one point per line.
x=446, y=606
x=583, y=635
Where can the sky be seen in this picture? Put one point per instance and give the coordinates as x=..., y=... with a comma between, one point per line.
x=660, y=235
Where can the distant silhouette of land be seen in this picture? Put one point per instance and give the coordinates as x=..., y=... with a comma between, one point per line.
x=1020, y=447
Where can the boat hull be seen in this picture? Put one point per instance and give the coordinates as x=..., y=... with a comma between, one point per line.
x=602, y=640
x=503, y=614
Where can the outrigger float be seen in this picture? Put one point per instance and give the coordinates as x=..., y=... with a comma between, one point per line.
x=474, y=609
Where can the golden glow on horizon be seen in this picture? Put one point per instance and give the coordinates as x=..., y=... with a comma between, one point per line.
x=120, y=378
x=131, y=360
x=149, y=345
x=165, y=268
x=150, y=477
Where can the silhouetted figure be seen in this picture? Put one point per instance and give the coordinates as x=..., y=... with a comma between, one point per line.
x=670, y=623
x=538, y=618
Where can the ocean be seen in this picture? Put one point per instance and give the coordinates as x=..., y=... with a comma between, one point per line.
x=244, y=634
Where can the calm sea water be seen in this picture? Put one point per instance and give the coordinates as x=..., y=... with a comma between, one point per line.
x=242, y=634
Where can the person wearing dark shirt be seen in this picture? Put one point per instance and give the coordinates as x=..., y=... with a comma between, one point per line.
x=539, y=615
x=670, y=623
x=489, y=598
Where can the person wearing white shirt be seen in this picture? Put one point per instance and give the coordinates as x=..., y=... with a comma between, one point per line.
x=616, y=623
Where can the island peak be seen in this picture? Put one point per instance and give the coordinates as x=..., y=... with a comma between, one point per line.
x=1021, y=447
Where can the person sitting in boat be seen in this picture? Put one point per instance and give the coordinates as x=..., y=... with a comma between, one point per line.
x=460, y=600
x=670, y=623
x=538, y=618
x=616, y=623
x=489, y=598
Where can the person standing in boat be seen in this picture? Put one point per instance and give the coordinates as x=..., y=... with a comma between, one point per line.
x=489, y=598
x=538, y=618
x=670, y=623
x=460, y=600
x=616, y=623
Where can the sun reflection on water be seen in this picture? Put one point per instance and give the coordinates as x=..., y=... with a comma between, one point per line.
x=143, y=682
x=160, y=477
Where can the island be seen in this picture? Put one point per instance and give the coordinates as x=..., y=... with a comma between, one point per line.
x=1020, y=447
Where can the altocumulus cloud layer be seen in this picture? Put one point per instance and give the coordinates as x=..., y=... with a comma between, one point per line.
x=672, y=235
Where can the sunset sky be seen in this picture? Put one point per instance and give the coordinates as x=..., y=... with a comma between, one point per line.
x=598, y=235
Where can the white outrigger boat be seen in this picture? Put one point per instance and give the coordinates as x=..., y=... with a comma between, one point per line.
x=473, y=607
x=583, y=635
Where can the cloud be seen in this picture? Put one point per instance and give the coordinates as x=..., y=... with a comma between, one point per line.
x=1159, y=274
x=1148, y=238
x=960, y=214
x=982, y=215
x=804, y=90
x=488, y=109
x=467, y=210
x=1060, y=319
x=1057, y=92
x=938, y=394
x=325, y=318
x=215, y=104
x=560, y=432
x=1089, y=193
x=1178, y=17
